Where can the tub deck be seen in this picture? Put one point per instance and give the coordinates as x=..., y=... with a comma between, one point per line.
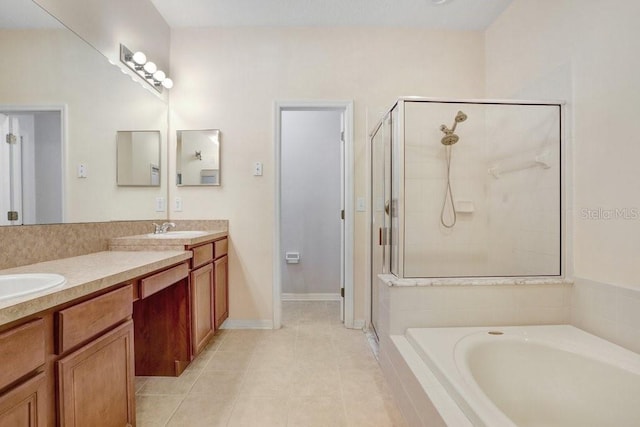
x=493, y=374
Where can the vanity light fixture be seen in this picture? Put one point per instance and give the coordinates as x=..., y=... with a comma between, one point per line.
x=148, y=70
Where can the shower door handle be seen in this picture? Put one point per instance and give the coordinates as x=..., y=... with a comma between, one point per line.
x=382, y=236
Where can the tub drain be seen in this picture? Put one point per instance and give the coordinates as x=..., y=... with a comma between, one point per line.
x=495, y=333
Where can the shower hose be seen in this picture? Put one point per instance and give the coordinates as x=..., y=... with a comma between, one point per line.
x=448, y=193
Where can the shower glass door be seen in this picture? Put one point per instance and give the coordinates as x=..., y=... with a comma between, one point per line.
x=380, y=209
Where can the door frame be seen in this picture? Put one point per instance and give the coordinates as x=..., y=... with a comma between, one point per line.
x=64, y=126
x=348, y=189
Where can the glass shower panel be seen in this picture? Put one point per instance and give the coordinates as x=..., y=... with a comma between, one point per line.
x=396, y=185
x=380, y=191
x=481, y=189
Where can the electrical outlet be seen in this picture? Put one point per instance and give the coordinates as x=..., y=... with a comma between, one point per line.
x=177, y=204
x=82, y=170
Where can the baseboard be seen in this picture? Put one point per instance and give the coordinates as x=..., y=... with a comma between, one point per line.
x=358, y=324
x=310, y=297
x=246, y=324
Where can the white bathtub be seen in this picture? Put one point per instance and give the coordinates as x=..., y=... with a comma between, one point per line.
x=533, y=375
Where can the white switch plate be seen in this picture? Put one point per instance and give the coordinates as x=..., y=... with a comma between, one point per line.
x=257, y=169
x=360, y=207
x=177, y=206
x=82, y=170
x=160, y=204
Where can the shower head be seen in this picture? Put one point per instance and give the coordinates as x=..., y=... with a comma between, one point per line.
x=460, y=117
x=449, y=139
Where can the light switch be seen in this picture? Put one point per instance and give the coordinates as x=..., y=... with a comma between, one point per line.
x=257, y=169
x=160, y=204
x=360, y=206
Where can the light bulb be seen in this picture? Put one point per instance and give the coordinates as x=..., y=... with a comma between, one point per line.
x=167, y=83
x=150, y=67
x=159, y=75
x=139, y=58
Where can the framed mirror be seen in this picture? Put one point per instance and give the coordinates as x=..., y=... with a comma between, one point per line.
x=198, y=157
x=138, y=161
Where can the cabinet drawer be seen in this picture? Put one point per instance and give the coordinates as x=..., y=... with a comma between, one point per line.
x=221, y=247
x=22, y=350
x=152, y=284
x=202, y=255
x=85, y=320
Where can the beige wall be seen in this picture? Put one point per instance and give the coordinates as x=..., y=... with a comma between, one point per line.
x=228, y=79
x=585, y=52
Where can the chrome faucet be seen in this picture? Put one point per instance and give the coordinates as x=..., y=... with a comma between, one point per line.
x=161, y=229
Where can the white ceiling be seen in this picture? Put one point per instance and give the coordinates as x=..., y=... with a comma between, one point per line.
x=452, y=15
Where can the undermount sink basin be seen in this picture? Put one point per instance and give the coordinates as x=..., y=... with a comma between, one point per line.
x=183, y=234
x=14, y=285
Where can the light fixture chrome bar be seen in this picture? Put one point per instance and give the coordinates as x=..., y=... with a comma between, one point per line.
x=140, y=68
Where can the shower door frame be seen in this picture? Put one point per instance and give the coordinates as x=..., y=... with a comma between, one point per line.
x=398, y=174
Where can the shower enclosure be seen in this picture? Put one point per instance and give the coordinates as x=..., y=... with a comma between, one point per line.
x=466, y=188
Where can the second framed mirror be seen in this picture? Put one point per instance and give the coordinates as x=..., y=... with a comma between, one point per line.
x=198, y=157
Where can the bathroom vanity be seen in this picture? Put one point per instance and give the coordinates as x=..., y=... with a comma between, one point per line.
x=207, y=291
x=74, y=350
x=71, y=348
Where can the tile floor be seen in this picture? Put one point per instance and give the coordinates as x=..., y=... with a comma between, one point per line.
x=312, y=372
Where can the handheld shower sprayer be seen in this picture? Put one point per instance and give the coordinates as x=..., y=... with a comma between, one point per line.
x=450, y=137
x=448, y=140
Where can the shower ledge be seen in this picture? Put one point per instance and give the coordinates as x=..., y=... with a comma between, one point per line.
x=391, y=280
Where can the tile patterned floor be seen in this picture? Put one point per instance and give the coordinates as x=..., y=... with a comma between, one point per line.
x=312, y=372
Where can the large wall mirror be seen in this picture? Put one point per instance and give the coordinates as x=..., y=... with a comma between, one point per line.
x=64, y=102
x=138, y=158
x=198, y=157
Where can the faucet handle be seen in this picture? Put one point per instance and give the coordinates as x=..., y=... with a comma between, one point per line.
x=157, y=228
x=165, y=226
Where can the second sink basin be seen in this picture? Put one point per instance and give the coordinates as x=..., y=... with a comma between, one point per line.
x=14, y=285
x=182, y=234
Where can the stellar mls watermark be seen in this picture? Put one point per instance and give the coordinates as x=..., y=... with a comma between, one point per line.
x=610, y=214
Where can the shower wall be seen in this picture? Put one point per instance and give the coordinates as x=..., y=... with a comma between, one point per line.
x=505, y=181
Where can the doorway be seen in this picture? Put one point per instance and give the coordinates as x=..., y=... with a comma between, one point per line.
x=31, y=165
x=313, y=254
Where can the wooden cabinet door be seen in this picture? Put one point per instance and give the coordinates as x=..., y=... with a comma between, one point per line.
x=24, y=405
x=95, y=383
x=202, y=320
x=221, y=285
